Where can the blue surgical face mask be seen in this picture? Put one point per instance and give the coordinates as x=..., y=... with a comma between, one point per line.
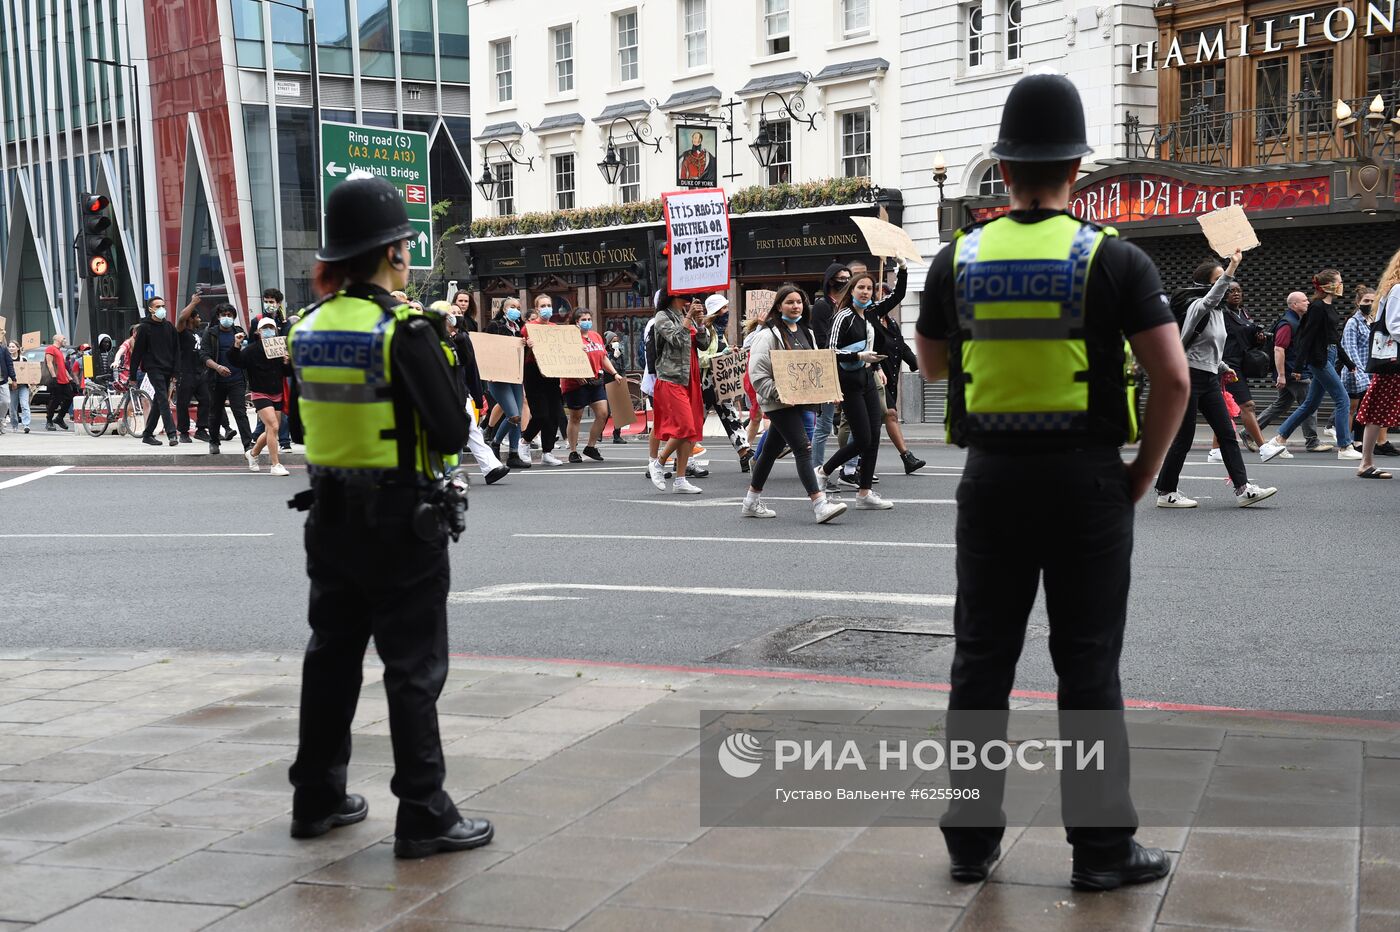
x=512, y=313
x=792, y=320
x=861, y=304
x=546, y=313
x=585, y=325
x=265, y=332
x=451, y=320
x=226, y=322
x=158, y=313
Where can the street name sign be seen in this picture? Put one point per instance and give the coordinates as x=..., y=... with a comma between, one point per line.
x=399, y=156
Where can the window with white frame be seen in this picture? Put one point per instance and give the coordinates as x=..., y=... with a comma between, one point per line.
x=564, y=181
x=780, y=169
x=695, y=28
x=630, y=178
x=855, y=18
x=628, y=53
x=991, y=183
x=777, y=27
x=1013, y=31
x=563, y=59
x=505, y=75
x=855, y=144
x=974, y=34
x=505, y=189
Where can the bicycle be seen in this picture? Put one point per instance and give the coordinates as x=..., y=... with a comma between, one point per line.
x=98, y=416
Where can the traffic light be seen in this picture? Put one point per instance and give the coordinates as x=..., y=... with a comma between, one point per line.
x=660, y=263
x=94, y=245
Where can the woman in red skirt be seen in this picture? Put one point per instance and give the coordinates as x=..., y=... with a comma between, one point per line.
x=678, y=398
x=1380, y=408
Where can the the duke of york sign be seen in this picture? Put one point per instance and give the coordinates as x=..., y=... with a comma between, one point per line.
x=1275, y=34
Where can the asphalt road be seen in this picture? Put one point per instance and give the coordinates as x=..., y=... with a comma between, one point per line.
x=1280, y=606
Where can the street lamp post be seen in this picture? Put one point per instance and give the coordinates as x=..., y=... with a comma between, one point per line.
x=611, y=165
x=940, y=177
x=1371, y=174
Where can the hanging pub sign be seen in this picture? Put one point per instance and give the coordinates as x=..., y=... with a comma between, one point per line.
x=1140, y=197
x=1263, y=37
x=696, y=164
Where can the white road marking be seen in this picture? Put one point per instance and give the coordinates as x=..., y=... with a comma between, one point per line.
x=731, y=502
x=105, y=536
x=162, y=475
x=30, y=477
x=742, y=540
x=532, y=591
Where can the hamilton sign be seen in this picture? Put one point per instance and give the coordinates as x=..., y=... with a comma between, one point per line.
x=1284, y=31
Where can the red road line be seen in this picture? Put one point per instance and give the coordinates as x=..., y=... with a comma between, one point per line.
x=1146, y=704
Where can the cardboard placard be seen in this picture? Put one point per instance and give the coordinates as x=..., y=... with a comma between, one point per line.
x=886, y=239
x=758, y=302
x=806, y=377
x=1228, y=229
x=29, y=373
x=499, y=358
x=728, y=372
x=559, y=352
x=30, y=340
x=275, y=347
x=4, y=329
x=620, y=403
x=697, y=237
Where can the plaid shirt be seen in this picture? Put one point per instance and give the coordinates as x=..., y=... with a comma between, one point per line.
x=1356, y=340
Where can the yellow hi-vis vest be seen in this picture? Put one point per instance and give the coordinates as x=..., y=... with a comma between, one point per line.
x=1021, y=364
x=341, y=351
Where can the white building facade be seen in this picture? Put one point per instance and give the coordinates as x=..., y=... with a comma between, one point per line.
x=959, y=61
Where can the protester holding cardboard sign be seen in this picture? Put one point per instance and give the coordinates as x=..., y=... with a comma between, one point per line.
x=680, y=403
x=722, y=374
x=542, y=391
x=788, y=329
x=589, y=393
x=853, y=339
x=509, y=396
x=697, y=234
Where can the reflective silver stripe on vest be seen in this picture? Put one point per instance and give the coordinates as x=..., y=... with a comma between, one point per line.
x=351, y=394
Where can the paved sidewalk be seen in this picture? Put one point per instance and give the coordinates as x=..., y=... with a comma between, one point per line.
x=149, y=791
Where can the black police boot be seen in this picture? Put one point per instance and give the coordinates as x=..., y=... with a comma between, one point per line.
x=974, y=871
x=1142, y=865
x=466, y=834
x=352, y=810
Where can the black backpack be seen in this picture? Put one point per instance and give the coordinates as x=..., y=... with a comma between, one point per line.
x=1181, y=306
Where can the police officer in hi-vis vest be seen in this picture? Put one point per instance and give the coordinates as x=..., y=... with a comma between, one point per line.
x=1026, y=316
x=383, y=418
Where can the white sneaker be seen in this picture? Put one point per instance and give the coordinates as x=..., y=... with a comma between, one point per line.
x=278, y=470
x=1215, y=456
x=252, y=461
x=1251, y=494
x=1330, y=433
x=1348, y=453
x=825, y=509
x=524, y=454
x=1269, y=450
x=657, y=475
x=1175, y=500
x=1247, y=442
x=549, y=459
x=757, y=509
x=682, y=486
x=1285, y=455
x=873, y=502
x=830, y=483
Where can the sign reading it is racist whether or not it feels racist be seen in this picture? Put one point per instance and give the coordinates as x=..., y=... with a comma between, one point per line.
x=697, y=236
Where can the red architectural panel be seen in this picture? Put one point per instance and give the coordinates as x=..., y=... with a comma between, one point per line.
x=187, y=77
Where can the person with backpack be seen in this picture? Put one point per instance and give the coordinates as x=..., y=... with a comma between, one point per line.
x=1288, y=371
x=1245, y=354
x=1318, y=349
x=1197, y=308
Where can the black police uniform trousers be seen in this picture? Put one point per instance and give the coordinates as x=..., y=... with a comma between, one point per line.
x=371, y=576
x=1074, y=529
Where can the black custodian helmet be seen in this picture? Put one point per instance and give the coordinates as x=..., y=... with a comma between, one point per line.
x=1043, y=121
x=362, y=213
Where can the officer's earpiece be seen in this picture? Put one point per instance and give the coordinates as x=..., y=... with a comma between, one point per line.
x=396, y=259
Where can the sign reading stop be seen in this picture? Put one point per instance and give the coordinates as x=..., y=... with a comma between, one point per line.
x=399, y=156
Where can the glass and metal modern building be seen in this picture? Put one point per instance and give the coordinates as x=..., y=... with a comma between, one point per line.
x=196, y=120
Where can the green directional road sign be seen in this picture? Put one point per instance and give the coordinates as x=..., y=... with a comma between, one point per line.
x=398, y=155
